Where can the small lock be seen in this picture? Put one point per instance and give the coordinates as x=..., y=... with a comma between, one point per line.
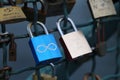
x=102, y=8
x=44, y=47
x=48, y=76
x=29, y=12
x=73, y=43
x=11, y=14
x=55, y=7
x=12, y=48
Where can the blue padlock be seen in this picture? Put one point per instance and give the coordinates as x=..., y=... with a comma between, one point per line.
x=44, y=47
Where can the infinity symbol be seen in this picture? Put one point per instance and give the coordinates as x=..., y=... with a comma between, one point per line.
x=43, y=48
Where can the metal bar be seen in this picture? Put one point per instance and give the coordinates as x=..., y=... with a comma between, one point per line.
x=4, y=48
x=35, y=17
x=41, y=66
x=34, y=68
x=69, y=27
x=65, y=15
x=3, y=30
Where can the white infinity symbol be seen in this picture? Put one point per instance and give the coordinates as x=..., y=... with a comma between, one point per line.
x=43, y=48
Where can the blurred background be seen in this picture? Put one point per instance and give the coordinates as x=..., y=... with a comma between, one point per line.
x=80, y=14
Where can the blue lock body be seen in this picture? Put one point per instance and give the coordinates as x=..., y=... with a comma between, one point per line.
x=44, y=47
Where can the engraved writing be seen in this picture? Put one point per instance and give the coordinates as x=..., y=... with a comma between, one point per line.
x=8, y=9
x=9, y=13
x=101, y=8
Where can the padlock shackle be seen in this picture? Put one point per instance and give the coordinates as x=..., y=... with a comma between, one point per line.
x=69, y=20
x=30, y=25
x=43, y=5
x=5, y=33
x=11, y=2
x=53, y=69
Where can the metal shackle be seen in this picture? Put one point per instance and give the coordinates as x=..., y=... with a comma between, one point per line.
x=43, y=8
x=53, y=69
x=39, y=23
x=69, y=20
x=5, y=33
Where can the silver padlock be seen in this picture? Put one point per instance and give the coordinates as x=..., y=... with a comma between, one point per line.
x=74, y=43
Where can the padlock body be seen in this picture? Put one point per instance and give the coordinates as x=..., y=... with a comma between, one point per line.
x=56, y=8
x=12, y=52
x=11, y=14
x=98, y=10
x=45, y=49
x=75, y=45
x=29, y=13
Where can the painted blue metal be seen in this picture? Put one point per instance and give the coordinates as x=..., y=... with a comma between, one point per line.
x=45, y=49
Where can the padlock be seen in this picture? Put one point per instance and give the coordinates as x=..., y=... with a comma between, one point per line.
x=102, y=8
x=86, y=76
x=74, y=43
x=48, y=76
x=11, y=14
x=44, y=47
x=55, y=7
x=12, y=48
x=29, y=12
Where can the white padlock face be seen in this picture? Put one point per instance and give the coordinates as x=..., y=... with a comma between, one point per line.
x=76, y=44
x=102, y=8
